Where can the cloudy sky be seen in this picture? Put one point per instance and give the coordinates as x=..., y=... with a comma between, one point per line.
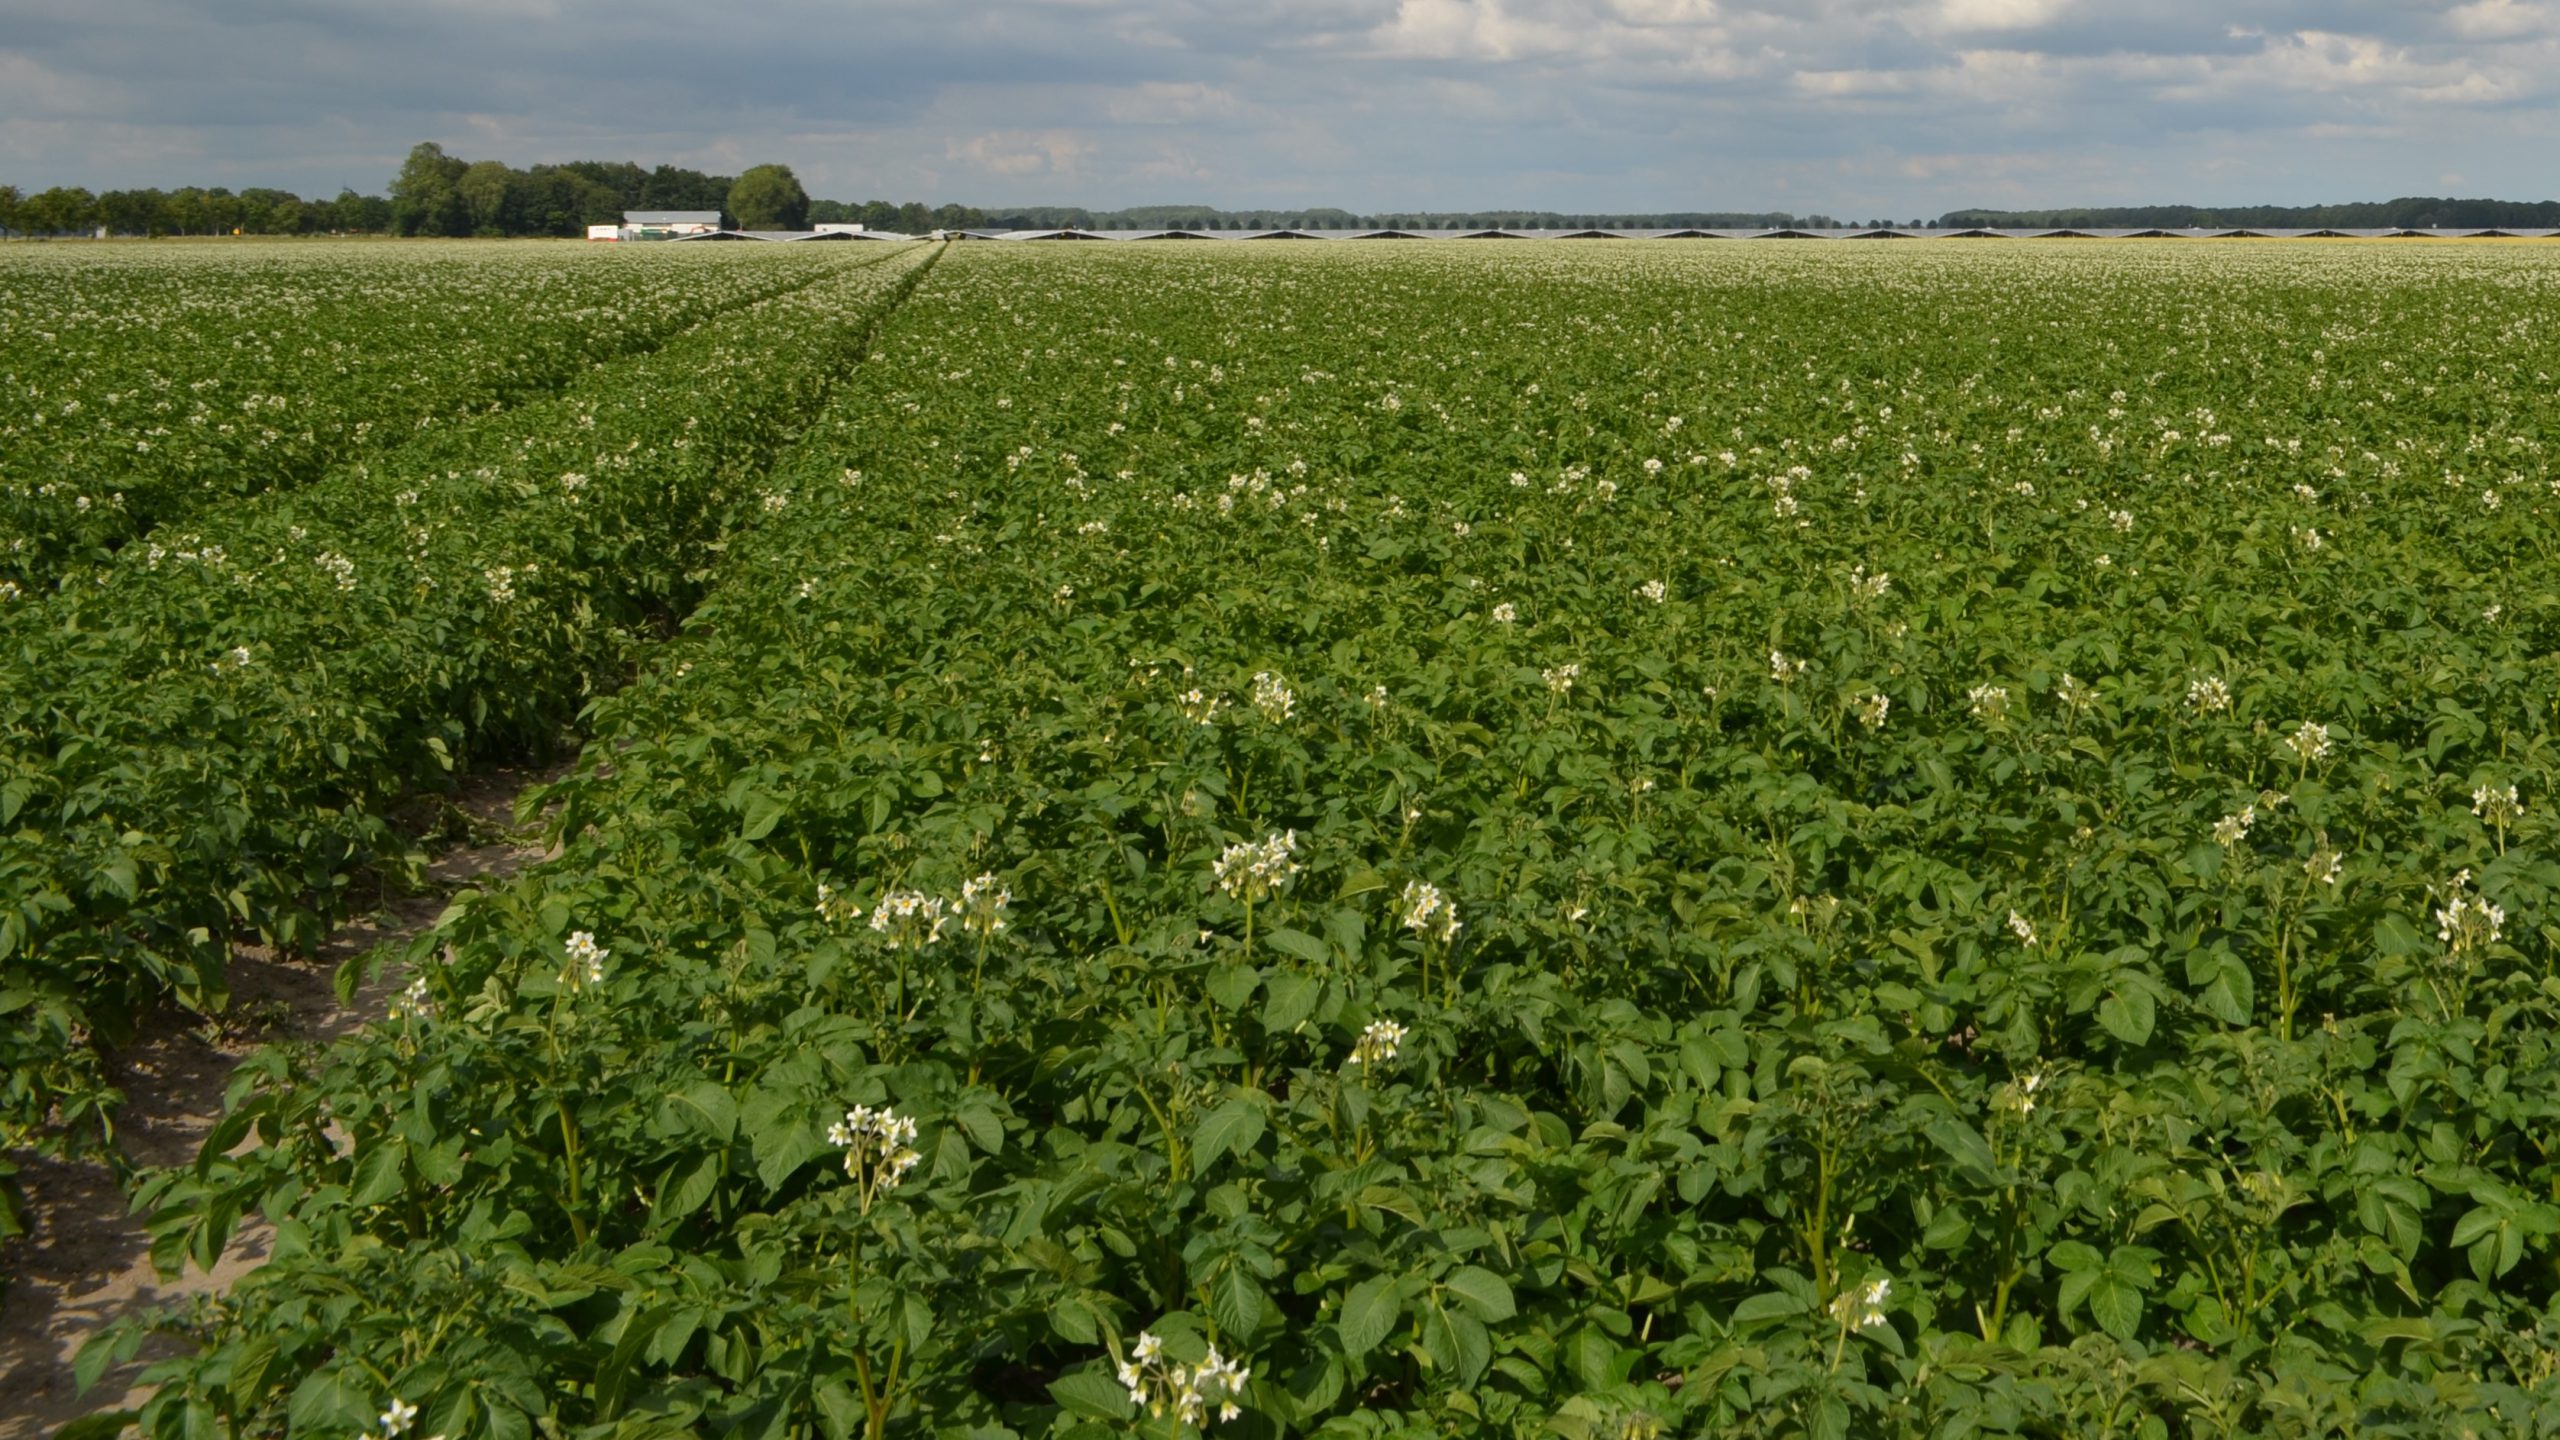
x=1861, y=108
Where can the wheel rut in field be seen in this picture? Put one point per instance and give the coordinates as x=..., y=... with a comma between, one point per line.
x=87, y=1259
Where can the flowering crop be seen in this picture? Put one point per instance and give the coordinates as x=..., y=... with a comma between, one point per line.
x=2024, y=1062
x=147, y=385
x=205, y=739
x=1250, y=871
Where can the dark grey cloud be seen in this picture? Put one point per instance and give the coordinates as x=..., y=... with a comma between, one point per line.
x=1855, y=106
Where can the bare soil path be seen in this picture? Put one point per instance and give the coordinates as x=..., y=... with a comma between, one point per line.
x=88, y=1259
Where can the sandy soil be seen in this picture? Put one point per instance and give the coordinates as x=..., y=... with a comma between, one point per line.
x=88, y=1260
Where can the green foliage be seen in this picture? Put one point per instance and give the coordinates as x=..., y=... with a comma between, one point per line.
x=154, y=394
x=768, y=197
x=2071, y=1043
x=205, y=740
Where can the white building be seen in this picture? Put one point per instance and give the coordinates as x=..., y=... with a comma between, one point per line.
x=668, y=224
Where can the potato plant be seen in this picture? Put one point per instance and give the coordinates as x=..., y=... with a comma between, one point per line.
x=143, y=384
x=205, y=742
x=1433, y=841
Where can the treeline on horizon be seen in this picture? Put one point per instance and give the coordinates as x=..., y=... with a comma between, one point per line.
x=440, y=194
x=445, y=195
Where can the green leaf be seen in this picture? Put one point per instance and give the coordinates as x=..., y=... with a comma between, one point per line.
x=2394, y=935
x=120, y=877
x=1359, y=880
x=2075, y=1287
x=1593, y=1359
x=983, y=1126
x=2128, y=1015
x=840, y=1412
x=2076, y=1255
x=1232, y=985
x=2117, y=1307
x=332, y=1401
x=1965, y=1145
x=1368, y=1313
x=1288, y=999
x=1474, y=1345
x=1484, y=1293
x=1074, y=1321
x=1092, y=1393
x=686, y=1193
x=707, y=1106
x=2476, y=1222
x=1299, y=943
x=508, y=1422
x=1947, y=1229
x=2231, y=994
x=379, y=1174
x=1236, y=1302
x=2208, y=1320
x=2419, y=1328
x=613, y=1378
x=783, y=1135
x=1231, y=1129
x=758, y=816
x=1769, y=1305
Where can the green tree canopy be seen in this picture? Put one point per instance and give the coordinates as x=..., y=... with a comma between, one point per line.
x=483, y=188
x=425, y=198
x=769, y=197
x=57, y=211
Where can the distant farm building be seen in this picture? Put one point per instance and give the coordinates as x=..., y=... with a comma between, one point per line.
x=668, y=224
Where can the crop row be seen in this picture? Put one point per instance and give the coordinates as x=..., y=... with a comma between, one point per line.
x=136, y=388
x=1491, y=845
x=206, y=745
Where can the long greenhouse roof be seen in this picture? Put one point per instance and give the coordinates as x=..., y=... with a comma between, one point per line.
x=1869, y=233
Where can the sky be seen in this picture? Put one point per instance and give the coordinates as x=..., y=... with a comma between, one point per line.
x=1854, y=108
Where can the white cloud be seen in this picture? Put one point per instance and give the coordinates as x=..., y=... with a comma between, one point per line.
x=1021, y=152
x=1856, y=106
x=1998, y=14
x=2501, y=19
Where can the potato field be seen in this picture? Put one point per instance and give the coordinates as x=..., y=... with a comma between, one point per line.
x=1596, y=840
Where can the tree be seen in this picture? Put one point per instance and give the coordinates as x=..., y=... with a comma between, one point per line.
x=133, y=212
x=223, y=210
x=598, y=204
x=351, y=211
x=769, y=197
x=423, y=198
x=483, y=188
x=622, y=180
x=273, y=212
x=60, y=209
x=671, y=188
x=10, y=199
